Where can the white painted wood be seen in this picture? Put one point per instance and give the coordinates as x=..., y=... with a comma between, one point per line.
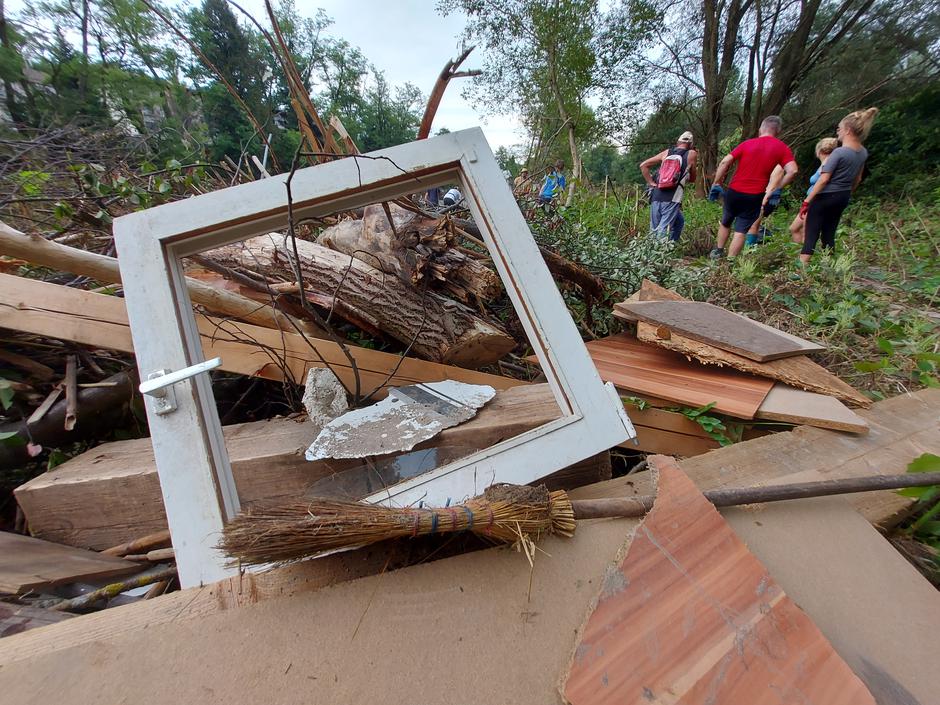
x=191, y=460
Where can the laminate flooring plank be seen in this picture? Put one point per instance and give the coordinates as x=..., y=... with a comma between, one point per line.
x=634, y=366
x=716, y=326
x=796, y=406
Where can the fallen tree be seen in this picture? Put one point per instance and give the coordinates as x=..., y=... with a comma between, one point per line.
x=418, y=249
x=434, y=327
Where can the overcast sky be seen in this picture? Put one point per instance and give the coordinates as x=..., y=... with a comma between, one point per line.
x=409, y=41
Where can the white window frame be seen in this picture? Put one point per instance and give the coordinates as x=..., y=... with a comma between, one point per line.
x=195, y=476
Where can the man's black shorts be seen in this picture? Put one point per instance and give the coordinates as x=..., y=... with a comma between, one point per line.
x=741, y=209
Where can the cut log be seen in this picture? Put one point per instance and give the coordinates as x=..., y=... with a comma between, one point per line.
x=436, y=328
x=110, y=495
x=417, y=249
x=38, y=250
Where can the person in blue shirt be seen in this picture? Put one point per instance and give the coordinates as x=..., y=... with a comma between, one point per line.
x=824, y=148
x=553, y=184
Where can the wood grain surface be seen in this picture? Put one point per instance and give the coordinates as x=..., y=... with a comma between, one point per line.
x=690, y=616
x=33, y=564
x=719, y=327
x=634, y=366
x=803, y=408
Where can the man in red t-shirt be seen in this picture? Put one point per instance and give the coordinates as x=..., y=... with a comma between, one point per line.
x=750, y=188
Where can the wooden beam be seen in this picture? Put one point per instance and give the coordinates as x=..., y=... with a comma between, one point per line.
x=101, y=321
x=38, y=250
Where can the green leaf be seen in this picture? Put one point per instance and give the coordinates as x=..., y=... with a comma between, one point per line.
x=871, y=366
x=6, y=435
x=885, y=346
x=6, y=395
x=56, y=457
x=928, y=462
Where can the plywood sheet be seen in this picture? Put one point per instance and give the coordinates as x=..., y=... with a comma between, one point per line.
x=33, y=564
x=719, y=327
x=799, y=407
x=634, y=366
x=691, y=616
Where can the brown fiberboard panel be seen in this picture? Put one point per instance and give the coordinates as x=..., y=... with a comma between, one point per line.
x=634, y=366
x=29, y=564
x=719, y=327
x=691, y=616
x=799, y=407
x=797, y=371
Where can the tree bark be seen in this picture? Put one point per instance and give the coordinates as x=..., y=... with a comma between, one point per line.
x=38, y=250
x=418, y=250
x=436, y=328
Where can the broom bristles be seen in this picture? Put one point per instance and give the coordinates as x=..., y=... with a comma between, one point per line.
x=296, y=530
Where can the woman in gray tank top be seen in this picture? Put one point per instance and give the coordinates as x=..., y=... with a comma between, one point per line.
x=838, y=178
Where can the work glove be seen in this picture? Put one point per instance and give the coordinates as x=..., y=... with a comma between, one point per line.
x=804, y=209
x=716, y=192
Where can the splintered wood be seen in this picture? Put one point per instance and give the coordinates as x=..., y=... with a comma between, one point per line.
x=690, y=616
x=723, y=329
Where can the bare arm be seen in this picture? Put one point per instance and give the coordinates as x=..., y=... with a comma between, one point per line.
x=722, y=169
x=693, y=172
x=790, y=170
x=652, y=161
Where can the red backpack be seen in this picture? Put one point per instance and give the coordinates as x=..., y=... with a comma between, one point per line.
x=671, y=172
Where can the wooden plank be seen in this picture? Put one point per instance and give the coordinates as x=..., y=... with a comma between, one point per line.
x=799, y=407
x=797, y=371
x=719, y=629
x=505, y=629
x=634, y=366
x=101, y=321
x=15, y=619
x=30, y=564
x=655, y=440
x=111, y=494
x=719, y=327
x=901, y=429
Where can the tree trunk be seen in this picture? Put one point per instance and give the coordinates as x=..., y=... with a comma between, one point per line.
x=418, y=250
x=38, y=250
x=437, y=328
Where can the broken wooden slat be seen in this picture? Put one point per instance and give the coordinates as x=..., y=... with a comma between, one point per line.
x=797, y=371
x=634, y=366
x=101, y=321
x=799, y=407
x=719, y=327
x=30, y=564
x=691, y=616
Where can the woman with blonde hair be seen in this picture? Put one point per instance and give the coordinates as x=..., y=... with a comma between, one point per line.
x=824, y=148
x=838, y=179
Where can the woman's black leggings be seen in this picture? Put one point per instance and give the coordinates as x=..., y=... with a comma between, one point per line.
x=822, y=219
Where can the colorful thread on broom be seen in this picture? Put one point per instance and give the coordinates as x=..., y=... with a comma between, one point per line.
x=433, y=522
x=414, y=530
x=453, y=518
x=489, y=526
x=469, y=518
x=447, y=503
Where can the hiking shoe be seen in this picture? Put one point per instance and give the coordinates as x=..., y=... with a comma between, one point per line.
x=717, y=253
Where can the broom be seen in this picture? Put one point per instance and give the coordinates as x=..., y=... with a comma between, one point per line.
x=503, y=513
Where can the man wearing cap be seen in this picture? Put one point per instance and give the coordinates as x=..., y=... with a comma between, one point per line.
x=677, y=167
x=751, y=189
x=521, y=182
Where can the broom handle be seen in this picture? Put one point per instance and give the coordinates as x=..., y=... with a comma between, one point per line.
x=640, y=505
